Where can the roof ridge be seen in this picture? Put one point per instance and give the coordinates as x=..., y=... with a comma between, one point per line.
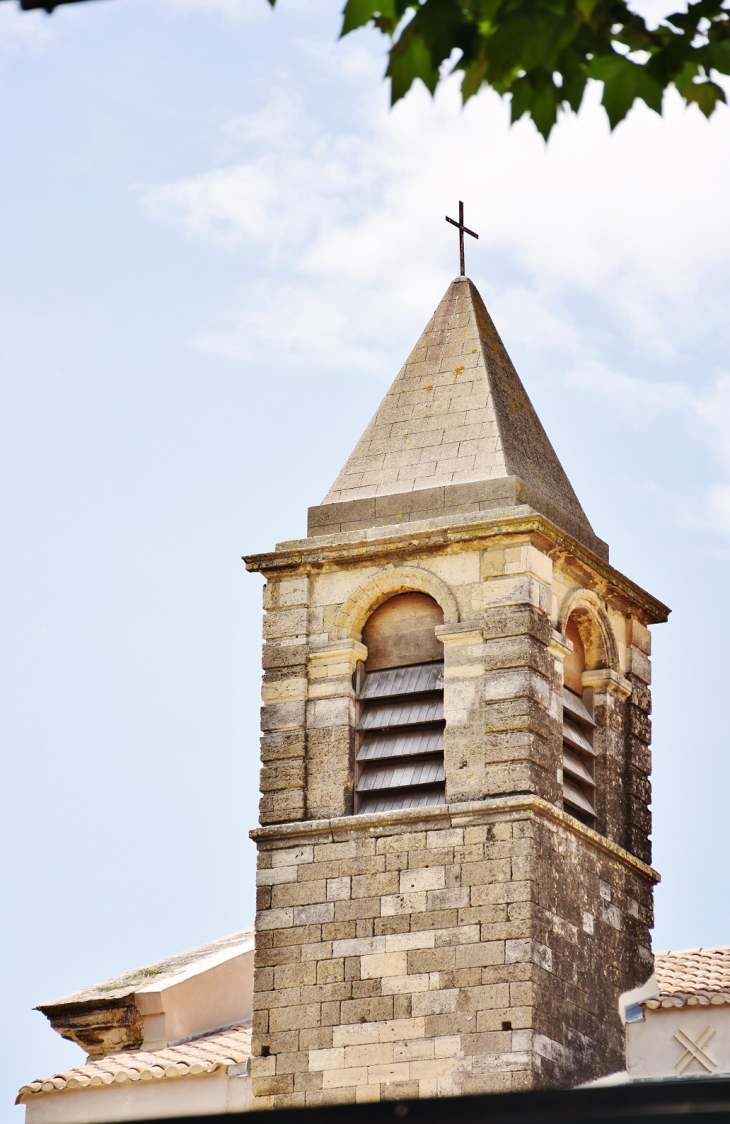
x=688, y=951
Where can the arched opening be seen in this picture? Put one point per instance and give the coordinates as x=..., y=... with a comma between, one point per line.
x=400, y=754
x=579, y=784
x=402, y=632
x=583, y=613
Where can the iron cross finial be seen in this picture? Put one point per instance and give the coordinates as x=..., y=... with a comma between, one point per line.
x=462, y=231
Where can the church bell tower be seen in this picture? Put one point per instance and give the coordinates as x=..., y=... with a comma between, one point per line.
x=453, y=857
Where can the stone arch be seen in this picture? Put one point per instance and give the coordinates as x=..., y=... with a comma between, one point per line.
x=591, y=619
x=352, y=616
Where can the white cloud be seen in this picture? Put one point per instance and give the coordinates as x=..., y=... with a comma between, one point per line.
x=624, y=217
x=703, y=413
x=646, y=397
x=341, y=211
x=717, y=508
x=713, y=413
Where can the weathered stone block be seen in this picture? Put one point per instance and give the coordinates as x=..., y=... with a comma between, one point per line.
x=300, y=893
x=376, y=965
x=358, y=909
x=373, y=885
x=281, y=593
x=283, y=745
x=327, y=1059
x=282, y=776
x=516, y=620
x=290, y=652
x=422, y=878
x=314, y=914
x=295, y=1017
x=266, y=1086
x=294, y=975
x=279, y=623
x=283, y=715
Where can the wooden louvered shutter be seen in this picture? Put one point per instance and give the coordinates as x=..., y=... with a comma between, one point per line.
x=579, y=786
x=400, y=759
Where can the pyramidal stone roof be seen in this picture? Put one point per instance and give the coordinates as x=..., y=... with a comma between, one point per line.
x=456, y=432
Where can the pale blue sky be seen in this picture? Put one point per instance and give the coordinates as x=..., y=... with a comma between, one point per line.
x=218, y=246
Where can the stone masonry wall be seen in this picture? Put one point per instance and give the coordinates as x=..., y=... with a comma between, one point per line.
x=638, y=738
x=591, y=931
x=442, y=951
x=503, y=689
x=500, y=691
x=472, y=947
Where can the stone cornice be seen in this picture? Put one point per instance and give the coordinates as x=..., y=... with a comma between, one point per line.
x=355, y=547
x=451, y=815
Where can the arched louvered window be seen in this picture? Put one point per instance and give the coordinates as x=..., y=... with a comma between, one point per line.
x=579, y=785
x=400, y=755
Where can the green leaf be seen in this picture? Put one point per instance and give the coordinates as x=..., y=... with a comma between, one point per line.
x=522, y=95
x=586, y=8
x=515, y=47
x=444, y=25
x=718, y=56
x=686, y=76
x=573, y=90
x=410, y=59
x=706, y=95
x=475, y=75
x=357, y=13
x=623, y=82
x=529, y=42
x=544, y=110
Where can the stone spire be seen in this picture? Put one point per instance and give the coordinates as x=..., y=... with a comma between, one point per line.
x=455, y=433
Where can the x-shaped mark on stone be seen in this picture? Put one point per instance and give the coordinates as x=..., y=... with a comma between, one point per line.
x=694, y=1050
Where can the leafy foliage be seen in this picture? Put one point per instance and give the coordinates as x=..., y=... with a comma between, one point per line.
x=542, y=52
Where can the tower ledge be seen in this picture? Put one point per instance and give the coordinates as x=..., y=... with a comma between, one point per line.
x=441, y=817
x=388, y=542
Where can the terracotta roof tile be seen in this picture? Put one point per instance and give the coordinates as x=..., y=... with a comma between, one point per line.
x=693, y=976
x=202, y=1055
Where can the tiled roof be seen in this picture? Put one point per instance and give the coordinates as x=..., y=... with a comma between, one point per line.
x=202, y=1055
x=694, y=976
